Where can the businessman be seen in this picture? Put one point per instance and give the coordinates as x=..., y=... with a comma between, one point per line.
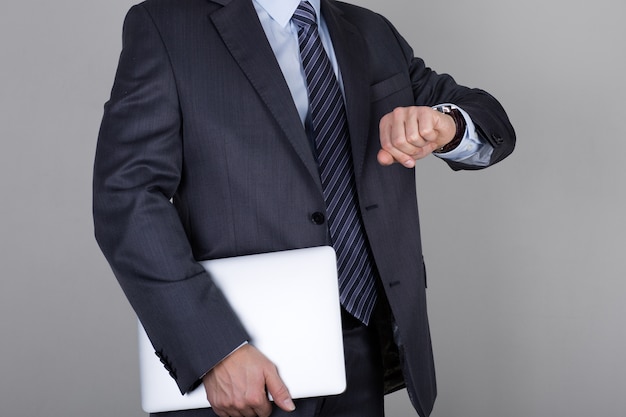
x=245, y=126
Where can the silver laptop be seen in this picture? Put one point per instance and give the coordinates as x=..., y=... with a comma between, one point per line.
x=289, y=303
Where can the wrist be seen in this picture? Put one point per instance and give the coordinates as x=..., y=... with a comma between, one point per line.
x=460, y=126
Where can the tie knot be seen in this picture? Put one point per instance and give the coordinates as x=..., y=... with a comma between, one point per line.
x=304, y=16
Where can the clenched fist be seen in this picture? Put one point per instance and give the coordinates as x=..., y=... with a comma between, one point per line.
x=411, y=133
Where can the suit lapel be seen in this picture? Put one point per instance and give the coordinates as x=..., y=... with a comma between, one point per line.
x=242, y=33
x=351, y=55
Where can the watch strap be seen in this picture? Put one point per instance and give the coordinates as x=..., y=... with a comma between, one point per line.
x=459, y=122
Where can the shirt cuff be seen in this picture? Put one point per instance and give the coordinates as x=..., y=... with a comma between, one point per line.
x=234, y=350
x=472, y=150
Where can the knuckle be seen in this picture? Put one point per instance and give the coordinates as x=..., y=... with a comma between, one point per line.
x=387, y=145
x=281, y=392
x=238, y=404
x=385, y=120
x=221, y=412
x=218, y=404
x=255, y=400
x=399, y=113
x=397, y=140
x=426, y=132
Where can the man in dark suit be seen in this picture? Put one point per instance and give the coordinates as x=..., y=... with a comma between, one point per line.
x=208, y=149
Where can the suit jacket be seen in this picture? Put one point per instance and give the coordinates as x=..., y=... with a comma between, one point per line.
x=201, y=155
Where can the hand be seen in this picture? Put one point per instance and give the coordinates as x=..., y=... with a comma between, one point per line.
x=236, y=387
x=411, y=133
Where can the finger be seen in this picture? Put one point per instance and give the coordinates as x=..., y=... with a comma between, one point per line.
x=404, y=134
x=427, y=121
x=397, y=148
x=393, y=140
x=400, y=139
x=384, y=158
x=387, y=155
x=239, y=408
x=279, y=392
x=252, y=412
x=220, y=411
x=406, y=141
x=412, y=130
x=262, y=411
x=259, y=404
x=401, y=157
x=390, y=156
x=384, y=127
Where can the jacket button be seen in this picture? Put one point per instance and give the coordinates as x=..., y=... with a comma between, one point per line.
x=318, y=218
x=497, y=138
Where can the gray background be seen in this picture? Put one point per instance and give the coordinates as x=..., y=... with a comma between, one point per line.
x=525, y=260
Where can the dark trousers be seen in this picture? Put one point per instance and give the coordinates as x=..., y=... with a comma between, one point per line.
x=363, y=396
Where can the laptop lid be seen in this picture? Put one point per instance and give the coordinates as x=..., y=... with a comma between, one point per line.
x=296, y=290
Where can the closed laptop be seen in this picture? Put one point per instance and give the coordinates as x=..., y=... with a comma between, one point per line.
x=288, y=302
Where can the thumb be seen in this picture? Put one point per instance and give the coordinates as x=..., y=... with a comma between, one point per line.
x=278, y=391
x=385, y=158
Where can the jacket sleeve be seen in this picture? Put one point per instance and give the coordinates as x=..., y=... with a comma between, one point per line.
x=137, y=171
x=489, y=117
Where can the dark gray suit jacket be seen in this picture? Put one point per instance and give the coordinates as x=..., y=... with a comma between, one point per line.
x=202, y=155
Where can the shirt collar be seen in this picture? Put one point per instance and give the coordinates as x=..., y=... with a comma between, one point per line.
x=282, y=10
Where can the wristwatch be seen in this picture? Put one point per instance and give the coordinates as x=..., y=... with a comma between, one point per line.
x=460, y=124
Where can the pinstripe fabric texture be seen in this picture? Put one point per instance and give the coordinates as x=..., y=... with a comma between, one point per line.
x=332, y=143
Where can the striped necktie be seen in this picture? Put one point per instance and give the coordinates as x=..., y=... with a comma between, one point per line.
x=357, y=289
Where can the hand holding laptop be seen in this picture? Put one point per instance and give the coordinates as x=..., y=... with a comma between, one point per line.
x=237, y=385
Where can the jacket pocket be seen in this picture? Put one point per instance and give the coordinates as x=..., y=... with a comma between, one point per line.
x=389, y=86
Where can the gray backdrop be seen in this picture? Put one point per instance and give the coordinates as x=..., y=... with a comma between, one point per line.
x=526, y=283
